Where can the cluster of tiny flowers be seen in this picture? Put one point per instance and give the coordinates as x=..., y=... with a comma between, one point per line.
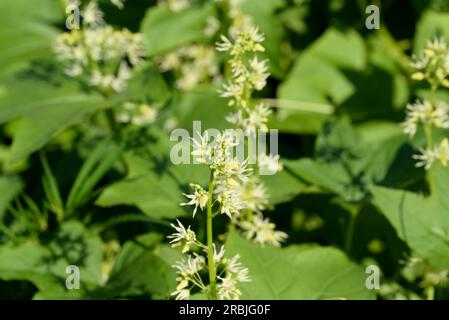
x=229, y=173
x=137, y=114
x=247, y=74
x=193, y=65
x=262, y=231
x=99, y=53
x=428, y=156
x=231, y=271
x=425, y=113
x=253, y=119
x=416, y=267
x=433, y=65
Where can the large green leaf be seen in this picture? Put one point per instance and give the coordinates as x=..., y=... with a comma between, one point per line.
x=346, y=164
x=282, y=187
x=202, y=105
x=164, y=30
x=298, y=273
x=139, y=270
x=45, y=265
x=32, y=38
x=49, y=105
x=153, y=184
x=316, y=83
x=422, y=222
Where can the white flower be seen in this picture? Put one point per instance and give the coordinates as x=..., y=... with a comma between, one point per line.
x=191, y=266
x=254, y=195
x=235, y=272
x=227, y=289
x=262, y=231
x=425, y=159
x=74, y=71
x=257, y=119
x=235, y=118
x=183, y=237
x=145, y=115
x=92, y=15
x=170, y=61
x=119, y=82
x=236, y=169
x=224, y=45
x=425, y=113
x=199, y=198
x=201, y=148
x=218, y=256
x=212, y=26
x=230, y=200
x=259, y=73
x=234, y=91
x=269, y=163
x=181, y=294
x=188, y=271
x=135, y=49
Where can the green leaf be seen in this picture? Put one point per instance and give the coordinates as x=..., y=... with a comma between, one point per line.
x=431, y=25
x=99, y=162
x=422, y=222
x=153, y=184
x=282, y=187
x=32, y=38
x=138, y=270
x=202, y=105
x=164, y=30
x=316, y=81
x=346, y=164
x=45, y=266
x=297, y=273
x=10, y=187
x=49, y=106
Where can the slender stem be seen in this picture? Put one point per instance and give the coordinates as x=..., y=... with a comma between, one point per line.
x=428, y=129
x=430, y=293
x=210, y=239
x=351, y=229
x=115, y=130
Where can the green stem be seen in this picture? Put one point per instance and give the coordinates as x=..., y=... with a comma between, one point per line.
x=430, y=293
x=115, y=130
x=210, y=241
x=351, y=228
x=428, y=129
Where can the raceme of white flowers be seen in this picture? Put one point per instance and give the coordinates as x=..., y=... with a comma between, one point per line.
x=433, y=65
x=102, y=56
x=137, y=114
x=250, y=74
x=430, y=114
x=193, y=65
x=229, y=270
